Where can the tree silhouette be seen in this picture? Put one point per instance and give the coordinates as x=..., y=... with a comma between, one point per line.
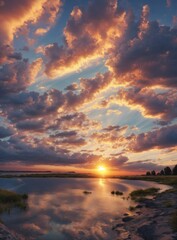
x=167, y=171
x=153, y=173
x=148, y=173
x=162, y=172
x=175, y=170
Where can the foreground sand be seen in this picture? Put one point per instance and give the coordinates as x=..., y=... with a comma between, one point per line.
x=151, y=220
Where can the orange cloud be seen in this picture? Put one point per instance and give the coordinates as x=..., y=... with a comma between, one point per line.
x=150, y=103
x=88, y=35
x=41, y=31
x=15, y=14
x=18, y=14
x=158, y=139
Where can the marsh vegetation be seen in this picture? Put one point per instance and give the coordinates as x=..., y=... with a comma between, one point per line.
x=9, y=200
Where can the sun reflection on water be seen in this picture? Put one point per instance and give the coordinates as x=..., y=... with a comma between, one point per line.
x=102, y=182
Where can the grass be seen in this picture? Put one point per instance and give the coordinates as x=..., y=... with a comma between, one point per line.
x=140, y=194
x=9, y=200
x=168, y=180
x=173, y=221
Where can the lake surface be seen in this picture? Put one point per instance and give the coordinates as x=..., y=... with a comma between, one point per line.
x=59, y=210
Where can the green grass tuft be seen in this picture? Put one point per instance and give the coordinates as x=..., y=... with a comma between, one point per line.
x=9, y=200
x=168, y=180
x=140, y=194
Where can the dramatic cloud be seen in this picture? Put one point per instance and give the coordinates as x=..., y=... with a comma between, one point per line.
x=142, y=166
x=77, y=120
x=112, y=135
x=16, y=150
x=87, y=35
x=151, y=104
x=65, y=134
x=15, y=77
x=68, y=139
x=17, y=14
x=5, y=132
x=30, y=125
x=118, y=162
x=33, y=105
x=61, y=122
x=146, y=55
x=165, y=137
x=124, y=164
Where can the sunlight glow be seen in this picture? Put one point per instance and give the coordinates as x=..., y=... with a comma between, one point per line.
x=101, y=169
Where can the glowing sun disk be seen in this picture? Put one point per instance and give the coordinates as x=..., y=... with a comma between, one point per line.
x=101, y=169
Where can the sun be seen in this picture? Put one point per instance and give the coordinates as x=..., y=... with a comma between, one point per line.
x=101, y=169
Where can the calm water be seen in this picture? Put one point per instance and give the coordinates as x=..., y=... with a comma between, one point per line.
x=58, y=209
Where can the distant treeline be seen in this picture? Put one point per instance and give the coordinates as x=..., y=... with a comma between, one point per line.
x=166, y=171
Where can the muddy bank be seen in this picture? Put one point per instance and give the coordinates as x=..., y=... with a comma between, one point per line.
x=152, y=219
x=6, y=234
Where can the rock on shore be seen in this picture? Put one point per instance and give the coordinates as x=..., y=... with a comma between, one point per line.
x=150, y=220
x=6, y=234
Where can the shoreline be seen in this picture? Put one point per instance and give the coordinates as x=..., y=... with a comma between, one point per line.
x=152, y=219
x=149, y=220
x=8, y=234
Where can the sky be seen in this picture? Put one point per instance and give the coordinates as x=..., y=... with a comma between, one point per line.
x=85, y=83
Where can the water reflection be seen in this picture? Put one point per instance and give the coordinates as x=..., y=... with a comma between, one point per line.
x=102, y=182
x=58, y=209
